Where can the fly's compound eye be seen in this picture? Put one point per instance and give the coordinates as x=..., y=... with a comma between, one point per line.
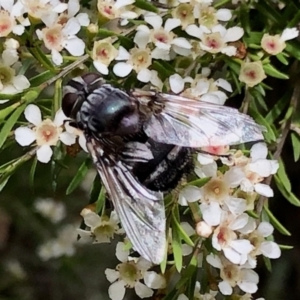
x=71, y=104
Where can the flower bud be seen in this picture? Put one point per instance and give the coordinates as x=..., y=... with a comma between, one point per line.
x=203, y=229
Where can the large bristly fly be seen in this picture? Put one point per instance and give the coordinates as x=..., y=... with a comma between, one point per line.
x=141, y=144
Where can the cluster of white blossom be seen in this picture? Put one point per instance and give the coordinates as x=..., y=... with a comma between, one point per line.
x=224, y=201
x=174, y=40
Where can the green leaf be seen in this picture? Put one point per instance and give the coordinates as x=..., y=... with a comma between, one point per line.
x=233, y=64
x=124, y=40
x=273, y=72
x=176, y=240
x=5, y=112
x=244, y=17
x=286, y=247
x=177, y=249
x=267, y=262
x=142, y=4
x=293, y=48
x=282, y=176
x=162, y=71
x=182, y=233
x=278, y=108
x=32, y=172
x=275, y=222
x=199, y=182
x=296, y=145
x=11, y=96
x=101, y=200
x=25, y=65
x=281, y=57
x=288, y=195
x=82, y=171
x=3, y=182
x=41, y=78
x=39, y=55
x=9, y=124
x=57, y=97
x=269, y=135
x=268, y=12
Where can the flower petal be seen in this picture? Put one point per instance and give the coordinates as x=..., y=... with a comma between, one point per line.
x=33, y=114
x=112, y=275
x=154, y=280
x=72, y=27
x=67, y=138
x=122, y=69
x=233, y=34
x=24, y=136
x=263, y=189
x=153, y=19
x=223, y=14
x=270, y=249
x=225, y=288
x=116, y=291
x=142, y=290
x=75, y=46
x=176, y=83
x=121, y=253
x=265, y=229
x=289, y=33
x=21, y=82
x=101, y=67
x=211, y=213
x=144, y=75
x=44, y=153
x=56, y=57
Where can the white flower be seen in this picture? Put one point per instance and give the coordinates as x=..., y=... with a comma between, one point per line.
x=110, y=10
x=64, y=244
x=56, y=37
x=128, y=275
x=258, y=168
x=225, y=238
x=233, y=275
x=215, y=40
x=46, y=133
x=274, y=44
x=262, y=246
x=202, y=88
x=208, y=16
x=8, y=21
x=46, y=10
x=10, y=83
x=102, y=229
x=50, y=209
x=139, y=59
x=163, y=38
x=103, y=54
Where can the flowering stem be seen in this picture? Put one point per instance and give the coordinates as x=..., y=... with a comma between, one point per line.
x=66, y=70
x=286, y=128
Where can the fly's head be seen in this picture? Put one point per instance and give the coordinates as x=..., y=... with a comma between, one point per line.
x=100, y=108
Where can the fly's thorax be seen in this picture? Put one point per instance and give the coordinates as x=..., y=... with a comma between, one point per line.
x=110, y=111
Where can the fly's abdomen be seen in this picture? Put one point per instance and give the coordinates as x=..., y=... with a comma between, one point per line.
x=165, y=170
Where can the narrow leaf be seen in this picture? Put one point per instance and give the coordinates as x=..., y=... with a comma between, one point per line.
x=296, y=146
x=273, y=72
x=276, y=223
x=79, y=176
x=9, y=124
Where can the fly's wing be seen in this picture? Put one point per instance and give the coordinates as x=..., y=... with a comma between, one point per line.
x=193, y=123
x=140, y=210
